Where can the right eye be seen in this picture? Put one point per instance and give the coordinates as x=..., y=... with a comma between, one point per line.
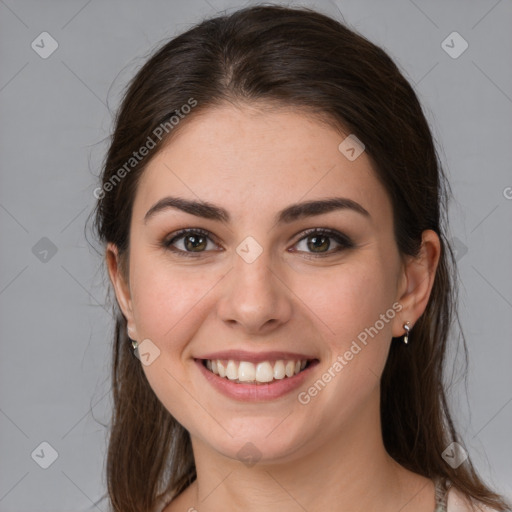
x=194, y=241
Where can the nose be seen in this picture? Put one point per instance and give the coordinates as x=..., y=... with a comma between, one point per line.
x=255, y=297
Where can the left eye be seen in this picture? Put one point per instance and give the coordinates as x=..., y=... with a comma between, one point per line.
x=317, y=242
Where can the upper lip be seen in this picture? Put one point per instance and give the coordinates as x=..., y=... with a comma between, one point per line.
x=256, y=357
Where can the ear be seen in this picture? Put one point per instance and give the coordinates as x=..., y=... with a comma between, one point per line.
x=417, y=281
x=121, y=288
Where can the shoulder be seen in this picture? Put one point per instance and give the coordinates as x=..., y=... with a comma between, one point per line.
x=459, y=502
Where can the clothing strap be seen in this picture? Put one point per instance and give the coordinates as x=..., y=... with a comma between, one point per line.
x=442, y=486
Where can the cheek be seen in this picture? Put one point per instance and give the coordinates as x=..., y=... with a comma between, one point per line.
x=167, y=299
x=347, y=299
x=353, y=306
x=170, y=305
x=348, y=303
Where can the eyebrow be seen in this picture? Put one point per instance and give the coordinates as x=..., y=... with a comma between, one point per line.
x=285, y=216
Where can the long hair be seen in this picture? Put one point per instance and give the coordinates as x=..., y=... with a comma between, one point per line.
x=298, y=58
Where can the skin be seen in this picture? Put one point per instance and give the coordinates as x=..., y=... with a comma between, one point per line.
x=255, y=162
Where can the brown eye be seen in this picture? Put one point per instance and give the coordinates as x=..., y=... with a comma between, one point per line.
x=194, y=243
x=319, y=241
x=189, y=241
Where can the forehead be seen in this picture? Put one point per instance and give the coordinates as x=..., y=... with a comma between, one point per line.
x=250, y=160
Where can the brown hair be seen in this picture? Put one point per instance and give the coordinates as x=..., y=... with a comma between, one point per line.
x=299, y=58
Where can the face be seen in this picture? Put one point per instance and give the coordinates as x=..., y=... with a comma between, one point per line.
x=321, y=285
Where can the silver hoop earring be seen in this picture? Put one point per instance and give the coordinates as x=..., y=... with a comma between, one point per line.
x=407, y=330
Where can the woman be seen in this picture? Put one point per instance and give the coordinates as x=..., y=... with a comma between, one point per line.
x=273, y=213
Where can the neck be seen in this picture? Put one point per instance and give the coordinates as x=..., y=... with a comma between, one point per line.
x=351, y=469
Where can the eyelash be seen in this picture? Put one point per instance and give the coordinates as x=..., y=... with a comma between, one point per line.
x=344, y=241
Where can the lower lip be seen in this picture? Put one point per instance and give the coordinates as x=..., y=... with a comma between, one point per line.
x=255, y=392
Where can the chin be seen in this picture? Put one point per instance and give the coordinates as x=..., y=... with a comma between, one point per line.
x=256, y=440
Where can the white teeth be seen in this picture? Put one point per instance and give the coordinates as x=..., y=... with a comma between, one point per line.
x=246, y=372
x=279, y=370
x=265, y=371
x=232, y=371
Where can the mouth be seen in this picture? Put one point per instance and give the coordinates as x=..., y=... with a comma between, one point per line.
x=257, y=373
x=255, y=377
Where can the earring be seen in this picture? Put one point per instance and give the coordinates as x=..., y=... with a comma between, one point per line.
x=133, y=342
x=406, y=335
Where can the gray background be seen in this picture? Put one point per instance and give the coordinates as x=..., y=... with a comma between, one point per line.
x=55, y=115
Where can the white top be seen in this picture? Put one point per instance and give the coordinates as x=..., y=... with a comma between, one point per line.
x=457, y=503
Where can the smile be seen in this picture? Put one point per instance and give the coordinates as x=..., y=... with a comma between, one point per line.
x=250, y=377
x=263, y=372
